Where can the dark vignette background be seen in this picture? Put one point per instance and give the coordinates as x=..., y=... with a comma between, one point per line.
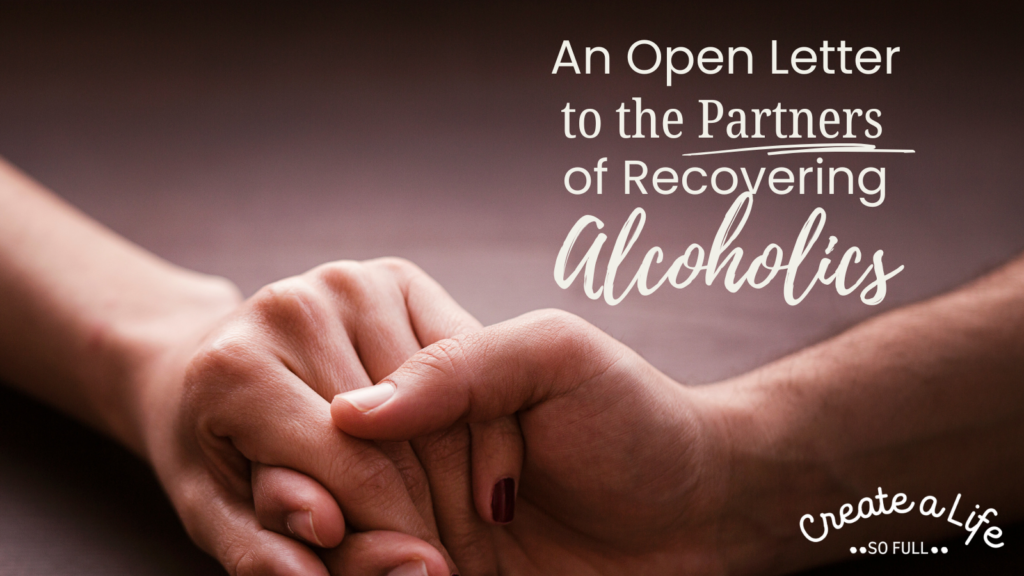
x=256, y=140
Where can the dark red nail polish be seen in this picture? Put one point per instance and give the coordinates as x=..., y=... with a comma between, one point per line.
x=503, y=501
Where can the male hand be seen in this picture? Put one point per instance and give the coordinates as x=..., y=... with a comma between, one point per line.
x=625, y=470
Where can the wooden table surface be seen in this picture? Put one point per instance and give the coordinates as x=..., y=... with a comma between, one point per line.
x=255, y=142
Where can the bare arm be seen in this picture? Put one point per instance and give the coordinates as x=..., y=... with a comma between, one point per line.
x=84, y=310
x=927, y=400
x=626, y=471
x=161, y=358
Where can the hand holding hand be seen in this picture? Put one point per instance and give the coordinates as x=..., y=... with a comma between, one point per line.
x=625, y=470
x=238, y=428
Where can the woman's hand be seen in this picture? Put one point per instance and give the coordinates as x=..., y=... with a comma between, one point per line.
x=625, y=473
x=237, y=425
x=228, y=400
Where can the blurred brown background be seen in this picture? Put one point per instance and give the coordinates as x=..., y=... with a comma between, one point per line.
x=257, y=140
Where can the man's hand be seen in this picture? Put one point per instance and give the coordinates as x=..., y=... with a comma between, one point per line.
x=624, y=474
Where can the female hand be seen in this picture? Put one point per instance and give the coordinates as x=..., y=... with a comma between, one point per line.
x=228, y=401
x=238, y=427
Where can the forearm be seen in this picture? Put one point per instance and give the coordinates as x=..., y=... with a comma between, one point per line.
x=85, y=311
x=925, y=400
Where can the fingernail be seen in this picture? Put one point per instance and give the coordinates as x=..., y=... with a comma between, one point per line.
x=366, y=399
x=301, y=524
x=417, y=568
x=503, y=501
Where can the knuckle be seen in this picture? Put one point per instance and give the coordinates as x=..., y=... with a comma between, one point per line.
x=291, y=304
x=581, y=350
x=226, y=354
x=503, y=432
x=556, y=320
x=346, y=278
x=563, y=333
x=446, y=451
x=411, y=472
x=223, y=380
x=242, y=561
x=370, y=478
x=253, y=555
x=448, y=357
x=397, y=265
x=218, y=366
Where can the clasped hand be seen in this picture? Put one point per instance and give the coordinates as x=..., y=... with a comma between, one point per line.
x=238, y=428
x=420, y=473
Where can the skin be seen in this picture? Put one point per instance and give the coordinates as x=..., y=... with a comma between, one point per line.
x=624, y=471
x=628, y=472
x=228, y=399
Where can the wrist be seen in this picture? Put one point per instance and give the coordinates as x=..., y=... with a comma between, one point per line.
x=775, y=474
x=768, y=480
x=143, y=350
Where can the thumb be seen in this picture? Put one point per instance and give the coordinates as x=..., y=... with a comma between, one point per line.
x=479, y=377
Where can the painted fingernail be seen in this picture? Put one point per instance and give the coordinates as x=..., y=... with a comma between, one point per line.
x=417, y=568
x=366, y=399
x=503, y=501
x=300, y=524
